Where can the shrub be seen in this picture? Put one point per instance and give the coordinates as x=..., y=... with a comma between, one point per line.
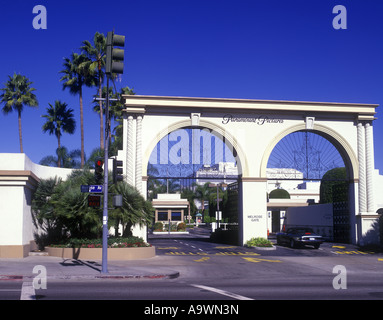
x=181, y=226
x=259, y=242
x=158, y=226
x=129, y=242
x=279, y=194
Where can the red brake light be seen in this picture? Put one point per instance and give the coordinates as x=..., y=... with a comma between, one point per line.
x=308, y=233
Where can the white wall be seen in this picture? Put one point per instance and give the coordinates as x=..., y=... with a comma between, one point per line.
x=11, y=215
x=16, y=227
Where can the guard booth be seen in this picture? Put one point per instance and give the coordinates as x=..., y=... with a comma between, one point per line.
x=170, y=207
x=198, y=218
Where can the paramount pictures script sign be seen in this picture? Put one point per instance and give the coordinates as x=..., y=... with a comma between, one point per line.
x=257, y=120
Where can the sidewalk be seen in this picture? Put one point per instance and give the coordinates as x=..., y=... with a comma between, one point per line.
x=59, y=268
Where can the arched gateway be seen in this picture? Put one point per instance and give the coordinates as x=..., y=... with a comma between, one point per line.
x=253, y=128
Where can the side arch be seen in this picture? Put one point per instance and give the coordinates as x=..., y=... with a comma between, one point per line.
x=230, y=139
x=340, y=143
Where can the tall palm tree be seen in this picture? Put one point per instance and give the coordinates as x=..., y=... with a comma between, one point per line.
x=59, y=119
x=96, y=55
x=18, y=93
x=75, y=76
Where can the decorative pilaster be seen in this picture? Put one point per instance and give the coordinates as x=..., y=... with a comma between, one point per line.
x=129, y=155
x=362, y=168
x=139, y=153
x=370, y=168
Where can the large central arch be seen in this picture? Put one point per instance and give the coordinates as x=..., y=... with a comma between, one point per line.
x=218, y=130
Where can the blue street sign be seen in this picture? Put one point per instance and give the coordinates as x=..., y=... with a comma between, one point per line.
x=97, y=188
x=84, y=188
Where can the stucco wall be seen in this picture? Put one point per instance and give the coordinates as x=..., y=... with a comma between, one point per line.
x=18, y=179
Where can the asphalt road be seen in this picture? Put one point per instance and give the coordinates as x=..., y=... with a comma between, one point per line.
x=219, y=272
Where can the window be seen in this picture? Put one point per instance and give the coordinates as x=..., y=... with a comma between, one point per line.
x=176, y=216
x=162, y=216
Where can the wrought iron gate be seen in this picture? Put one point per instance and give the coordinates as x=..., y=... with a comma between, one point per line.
x=341, y=212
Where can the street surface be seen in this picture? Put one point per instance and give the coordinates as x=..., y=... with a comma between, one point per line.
x=210, y=271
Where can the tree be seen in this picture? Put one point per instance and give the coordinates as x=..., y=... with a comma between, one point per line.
x=203, y=193
x=75, y=76
x=48, y=227
x=330, y=180
x=18, y=93
x=116, y=113
x=68, y=159
x=95, y=64
x=135, y=209
x=59, y=119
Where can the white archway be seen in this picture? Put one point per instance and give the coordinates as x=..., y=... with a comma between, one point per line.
x=253, y=128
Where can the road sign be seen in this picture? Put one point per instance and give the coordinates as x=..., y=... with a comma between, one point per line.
x=97, y=188
x=84, y=188
x=94, y=201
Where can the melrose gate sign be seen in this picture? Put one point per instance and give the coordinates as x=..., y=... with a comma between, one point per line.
x=252, y=128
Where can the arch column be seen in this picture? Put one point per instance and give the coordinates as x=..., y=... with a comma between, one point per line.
x=138, y=168
x=367, y=215
x=130, y=151
x=252, y=208
x=370, y=168
x=362, y=169
x=132, y=132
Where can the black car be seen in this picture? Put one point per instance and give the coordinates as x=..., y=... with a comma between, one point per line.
x=299, y=236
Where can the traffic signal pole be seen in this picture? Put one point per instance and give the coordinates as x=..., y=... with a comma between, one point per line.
x=113, y=64
x=105, y=229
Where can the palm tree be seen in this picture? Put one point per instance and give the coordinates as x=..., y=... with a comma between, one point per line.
x=135, y=209
x=75, y=77
x=202, y=193
x=96, y=56
x=116, y=113
x=59, y=119
x=68, y=159
x=18, y=93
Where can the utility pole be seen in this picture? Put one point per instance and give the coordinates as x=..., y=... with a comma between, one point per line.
x=113, y=65
x=105, y=229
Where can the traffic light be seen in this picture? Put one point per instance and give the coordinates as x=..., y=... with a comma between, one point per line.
x=117, y=170
x=99, y=170
x=114, y=56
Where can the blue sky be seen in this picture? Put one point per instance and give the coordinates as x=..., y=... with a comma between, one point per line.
x=259, y=49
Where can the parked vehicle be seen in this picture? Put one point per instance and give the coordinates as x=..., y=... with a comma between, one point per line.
x=295, y=237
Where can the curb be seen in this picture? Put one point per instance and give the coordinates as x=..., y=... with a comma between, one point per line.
x=264, y=248
x=173, y=275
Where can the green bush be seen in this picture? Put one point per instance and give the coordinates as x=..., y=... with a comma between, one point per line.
x=181, y=226
x=129, y=242
x=259, y=242
x=158, y=226
x=279, y=194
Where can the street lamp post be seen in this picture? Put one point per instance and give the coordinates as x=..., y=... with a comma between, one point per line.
x=212, y=185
